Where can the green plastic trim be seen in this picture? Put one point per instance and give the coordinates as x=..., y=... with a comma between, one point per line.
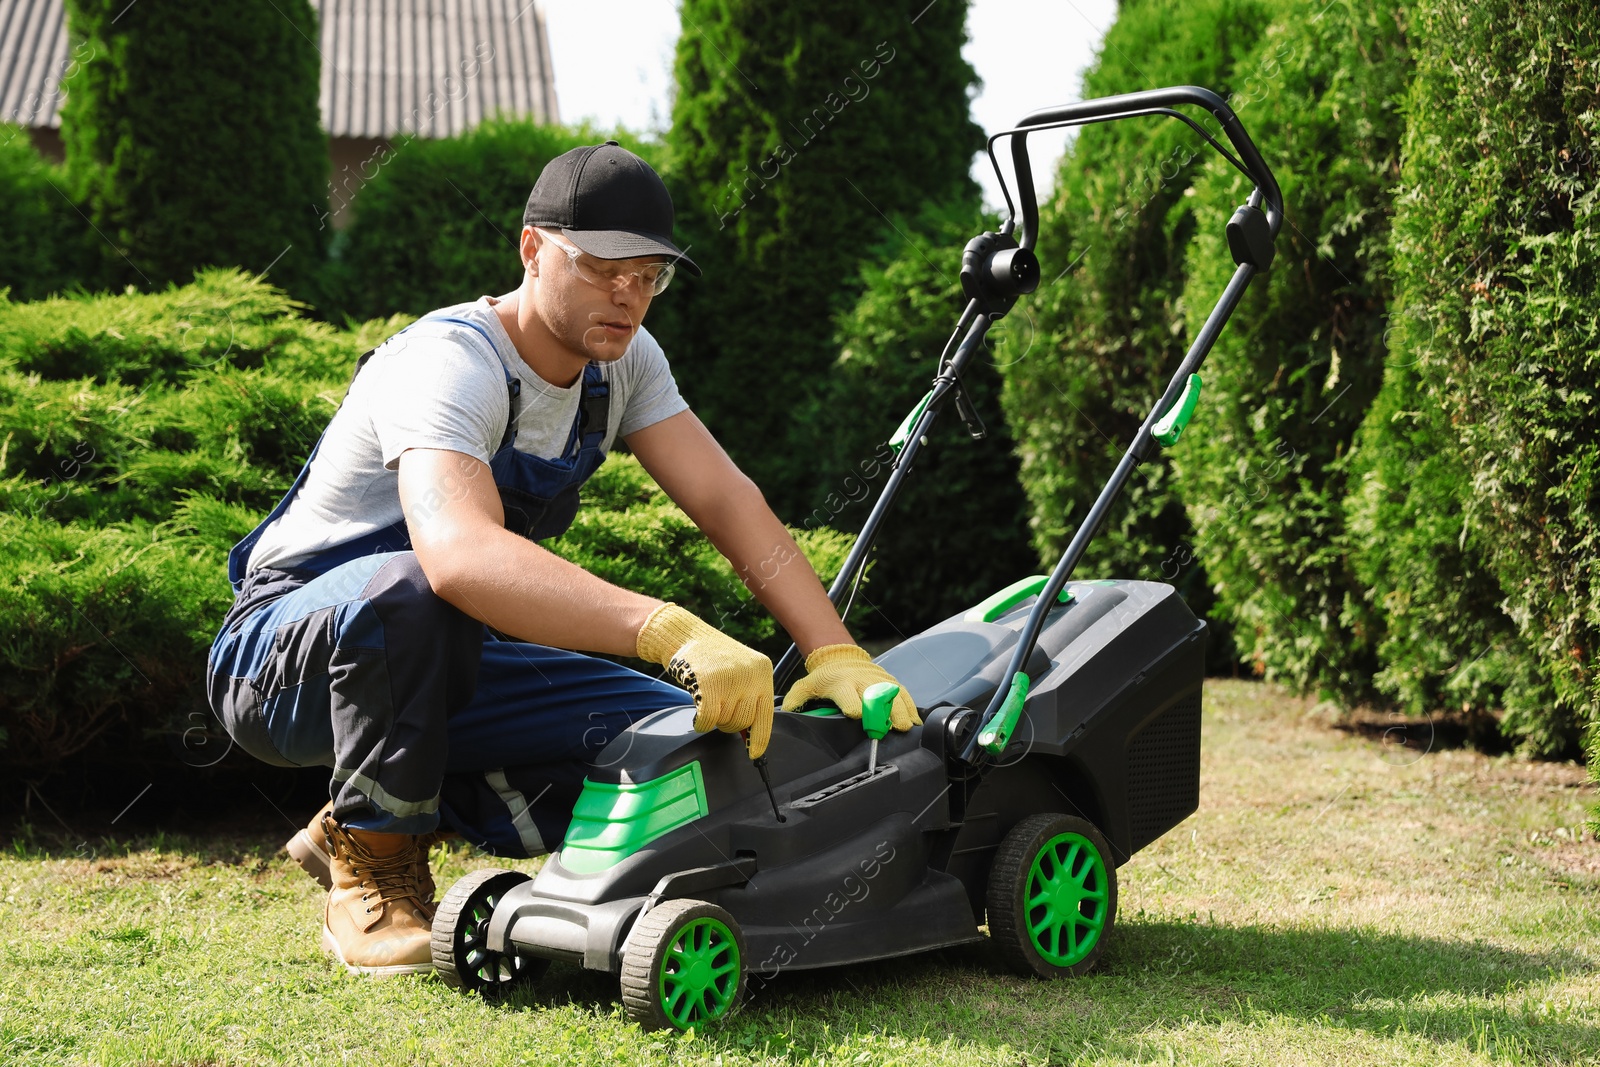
x=1066, y=895
x=612, y=822
x=997, y=735
x=902, y=433
x=695, y=988
x=1170, y=428
x=828, y=710
x=997, y=604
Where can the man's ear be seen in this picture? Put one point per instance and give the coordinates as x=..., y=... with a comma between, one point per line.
x=531, y=239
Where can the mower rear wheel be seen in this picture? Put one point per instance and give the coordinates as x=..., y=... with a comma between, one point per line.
x=684, y=966
x=461, y=952
x=1052, y=896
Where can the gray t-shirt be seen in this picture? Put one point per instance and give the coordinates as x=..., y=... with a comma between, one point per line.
x=438, y=386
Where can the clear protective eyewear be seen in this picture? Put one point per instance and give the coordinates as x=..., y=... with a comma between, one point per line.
x=653, y=278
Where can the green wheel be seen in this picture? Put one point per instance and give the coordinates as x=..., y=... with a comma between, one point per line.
x=1052, y=896
x=684, y=966
x=461, y=952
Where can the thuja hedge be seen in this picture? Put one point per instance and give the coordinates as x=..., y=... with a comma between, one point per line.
x=194, y=137
x=1262, y=472
x=42, y=238
x=142, y=434
x=1391, y=479
x=797, y=130
x=1247, y=508
x=1494, y=355
x=1093, y=347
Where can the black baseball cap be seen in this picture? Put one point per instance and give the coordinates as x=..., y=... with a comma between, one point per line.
x=608, y=202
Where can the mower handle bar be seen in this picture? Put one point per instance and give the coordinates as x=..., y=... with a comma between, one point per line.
x=1130, y=105
x=974, y=324
x=1155, y=101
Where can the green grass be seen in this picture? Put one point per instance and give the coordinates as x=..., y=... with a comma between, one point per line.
x=1335, y=900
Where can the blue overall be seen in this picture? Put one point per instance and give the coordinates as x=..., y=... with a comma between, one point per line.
x=351, y=661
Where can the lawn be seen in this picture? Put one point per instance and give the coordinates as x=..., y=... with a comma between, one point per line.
x=1336, y=899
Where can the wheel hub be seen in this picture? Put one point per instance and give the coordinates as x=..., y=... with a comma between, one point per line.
x=698, y=983
x=1067, y=874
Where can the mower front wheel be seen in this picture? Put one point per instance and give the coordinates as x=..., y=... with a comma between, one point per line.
x=684, y=966
x=461, y=952
x=1052, y=896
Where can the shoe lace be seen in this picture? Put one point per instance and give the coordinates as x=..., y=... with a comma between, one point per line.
x=390, y=878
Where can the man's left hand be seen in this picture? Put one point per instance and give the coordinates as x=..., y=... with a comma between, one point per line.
x=840, y=674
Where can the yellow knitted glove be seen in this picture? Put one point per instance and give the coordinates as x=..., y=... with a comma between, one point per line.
x=731, y=684
x=840, y=674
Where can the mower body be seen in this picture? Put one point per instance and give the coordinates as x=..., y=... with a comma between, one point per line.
x=867, y=866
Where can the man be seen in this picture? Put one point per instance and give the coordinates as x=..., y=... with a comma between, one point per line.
x=397, y=622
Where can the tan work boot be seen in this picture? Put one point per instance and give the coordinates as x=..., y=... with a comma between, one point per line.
x=376, y=921
x=425, y=843
x=309, y=848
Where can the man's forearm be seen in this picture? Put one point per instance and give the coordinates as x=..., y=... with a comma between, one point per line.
x=471, y=560
x=534, y=595
x=771, y=565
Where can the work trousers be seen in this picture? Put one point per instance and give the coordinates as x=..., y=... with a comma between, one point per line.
x=422, y=713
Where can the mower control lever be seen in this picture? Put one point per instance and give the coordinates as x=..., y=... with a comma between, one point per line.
x=1172, y=424
x=969, y=414
x=902, y=433
x=996, y=733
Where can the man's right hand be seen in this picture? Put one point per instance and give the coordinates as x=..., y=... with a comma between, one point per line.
x=731, y=683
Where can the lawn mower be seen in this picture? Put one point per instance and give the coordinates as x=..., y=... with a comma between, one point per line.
x=1060, y=735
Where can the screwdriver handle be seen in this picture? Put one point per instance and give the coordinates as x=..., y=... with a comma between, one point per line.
x=876, y=703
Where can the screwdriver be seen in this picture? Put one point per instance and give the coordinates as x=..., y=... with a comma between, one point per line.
x=761, y=769
x=875, y=704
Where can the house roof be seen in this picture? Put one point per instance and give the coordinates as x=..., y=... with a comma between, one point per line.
x=431, y=68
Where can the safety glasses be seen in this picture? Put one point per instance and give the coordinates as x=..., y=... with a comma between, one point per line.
x=609, y=274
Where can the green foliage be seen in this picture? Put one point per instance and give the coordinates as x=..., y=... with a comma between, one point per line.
x=958, y=531
x=1287, y=385
x=438, y=222
x=1498, y=272
x=798, y=130
x=630, y=533
x=41, y=243
x=115, y=408
x=1417, y=552
x=102, y=628
x=1429, y=545
x=142, y=435
x=194, y=137
x=1106, y=328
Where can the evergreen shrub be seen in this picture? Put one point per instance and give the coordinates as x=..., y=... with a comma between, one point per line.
x=193, y=134
x=439, y=221
x=41, y=234
x=1106, y=330
x=798, y=131
x=1262, y=470
x=1497, y=267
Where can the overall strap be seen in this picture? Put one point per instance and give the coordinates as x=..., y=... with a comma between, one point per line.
x=595, y=411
